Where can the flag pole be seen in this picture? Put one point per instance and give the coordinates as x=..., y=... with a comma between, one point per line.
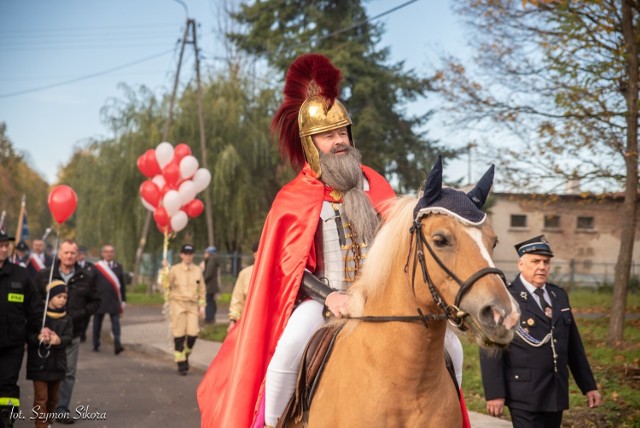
x=19, y=229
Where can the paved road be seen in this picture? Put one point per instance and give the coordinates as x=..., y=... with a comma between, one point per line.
x=132, y=389
x=140, y=387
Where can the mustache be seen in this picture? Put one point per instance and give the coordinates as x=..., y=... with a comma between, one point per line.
x=340, y=147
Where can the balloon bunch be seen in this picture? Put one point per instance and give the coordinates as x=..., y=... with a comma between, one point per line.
x=174, y=180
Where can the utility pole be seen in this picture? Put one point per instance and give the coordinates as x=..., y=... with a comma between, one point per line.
x=188, y=37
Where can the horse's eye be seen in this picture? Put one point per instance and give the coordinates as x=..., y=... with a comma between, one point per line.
x=440, y=241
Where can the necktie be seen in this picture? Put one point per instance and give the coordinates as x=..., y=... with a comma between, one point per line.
x=546, y=308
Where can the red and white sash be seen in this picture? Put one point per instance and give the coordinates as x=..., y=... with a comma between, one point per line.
x=36, y=262
x=106, y=271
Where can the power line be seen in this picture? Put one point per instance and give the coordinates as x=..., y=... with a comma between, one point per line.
x=88, y=76
x=101, y=73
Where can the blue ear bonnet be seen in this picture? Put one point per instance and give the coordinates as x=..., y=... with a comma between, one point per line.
x=456, y=203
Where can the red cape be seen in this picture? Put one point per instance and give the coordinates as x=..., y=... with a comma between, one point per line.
x=230, y=392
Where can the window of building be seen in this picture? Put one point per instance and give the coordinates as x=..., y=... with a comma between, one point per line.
x=551, y=221
x=518, y=220
x=585, y=222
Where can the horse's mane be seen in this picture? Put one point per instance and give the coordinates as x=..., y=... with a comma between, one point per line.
x=389, y=248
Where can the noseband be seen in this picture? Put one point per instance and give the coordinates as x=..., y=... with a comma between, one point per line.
x=453, y=312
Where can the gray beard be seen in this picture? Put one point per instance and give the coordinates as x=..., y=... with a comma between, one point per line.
x=343, y=173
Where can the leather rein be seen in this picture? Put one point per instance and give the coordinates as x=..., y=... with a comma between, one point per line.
x=453, y=313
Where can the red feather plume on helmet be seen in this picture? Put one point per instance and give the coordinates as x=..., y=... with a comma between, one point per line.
x=308, y=75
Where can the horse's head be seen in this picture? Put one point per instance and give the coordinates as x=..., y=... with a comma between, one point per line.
x=452, y=245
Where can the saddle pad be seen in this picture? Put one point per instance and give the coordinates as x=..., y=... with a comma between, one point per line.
x=315, y=357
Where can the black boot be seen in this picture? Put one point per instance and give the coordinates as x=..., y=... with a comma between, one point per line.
x=182, y=368
x=5, y=418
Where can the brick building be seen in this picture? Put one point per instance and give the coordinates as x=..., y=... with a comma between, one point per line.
x=583, y=230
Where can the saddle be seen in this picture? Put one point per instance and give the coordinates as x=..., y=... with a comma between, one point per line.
x=314, y=359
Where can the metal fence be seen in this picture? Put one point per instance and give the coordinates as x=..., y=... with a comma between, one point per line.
x=230, y=265
x=568, y=273
x=575, y=273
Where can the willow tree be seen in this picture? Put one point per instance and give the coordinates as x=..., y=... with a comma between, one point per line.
x=243, y=166
x=562, y=76
x=374, y=91
x=104, y=174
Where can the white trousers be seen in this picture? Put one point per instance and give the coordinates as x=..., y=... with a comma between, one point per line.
x=282, y=372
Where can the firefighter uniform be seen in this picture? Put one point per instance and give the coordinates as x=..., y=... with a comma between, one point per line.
x=20, y=314
x=187, y=296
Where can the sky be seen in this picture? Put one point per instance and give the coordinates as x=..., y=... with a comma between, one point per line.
x=63, y=60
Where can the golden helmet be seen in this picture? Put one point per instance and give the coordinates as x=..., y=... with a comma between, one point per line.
x=310, y=106
x=315, y=118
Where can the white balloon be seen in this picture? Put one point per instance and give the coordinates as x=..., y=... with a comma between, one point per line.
x=187, y=192
x=201, y=179
x=172, y=202
x=188, y=167
x=160, y=181
x=179, y=221
x=164, y=154
x=147, y=205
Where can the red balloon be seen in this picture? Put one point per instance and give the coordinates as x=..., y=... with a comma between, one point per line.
x=142, y=166
x=148, y=164
x=62, y=202
x=171, y=173
x=181, y=151
x=164, y=229
x=150, y=193
x=161, y=217
x=152, y=163
x=194, y=208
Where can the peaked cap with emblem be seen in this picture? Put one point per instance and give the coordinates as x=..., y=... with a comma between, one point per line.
x=537, y=245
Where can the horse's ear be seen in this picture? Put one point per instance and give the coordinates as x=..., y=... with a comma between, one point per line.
x=479, y=194
x=433, y=185
x=432, y=188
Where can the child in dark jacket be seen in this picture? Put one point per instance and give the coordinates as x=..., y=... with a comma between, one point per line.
x=47, y=358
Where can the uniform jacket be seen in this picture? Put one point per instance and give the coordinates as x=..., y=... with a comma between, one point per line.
x=20, y=306
x=54, y=366
x=211, y=274
x=186, y=284
x=109, y=300
x=524, y=375
x=231, y=391
x=83, y=301
x=240, y=291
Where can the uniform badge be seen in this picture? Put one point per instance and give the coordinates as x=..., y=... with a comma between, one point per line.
x=548, y=312
x=524, y=295
x=554, y=294
x=531, y=322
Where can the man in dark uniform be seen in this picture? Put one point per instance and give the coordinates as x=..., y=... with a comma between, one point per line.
x=90, y=269
x=531, y=376
x=83, y=302
x=21, y=255
x=20, y=314
x=211, y=274
x=111, y=288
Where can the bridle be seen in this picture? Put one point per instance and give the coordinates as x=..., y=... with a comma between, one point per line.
x=453, y=313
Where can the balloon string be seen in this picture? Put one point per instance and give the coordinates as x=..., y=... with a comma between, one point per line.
x=164, y=273
x=53, y=264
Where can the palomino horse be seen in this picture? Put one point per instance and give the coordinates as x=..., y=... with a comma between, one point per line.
x=431, y=261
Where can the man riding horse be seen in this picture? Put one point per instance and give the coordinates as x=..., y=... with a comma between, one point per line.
x=313, y=245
